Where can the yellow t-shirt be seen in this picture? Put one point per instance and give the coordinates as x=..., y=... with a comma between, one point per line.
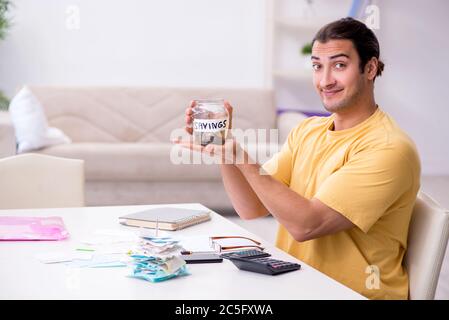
x=370, y=174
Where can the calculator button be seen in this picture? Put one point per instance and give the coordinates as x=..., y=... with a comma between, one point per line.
x=264, y=265
x=248, y=254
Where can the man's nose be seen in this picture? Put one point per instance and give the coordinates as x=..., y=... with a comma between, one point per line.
x=327, y=80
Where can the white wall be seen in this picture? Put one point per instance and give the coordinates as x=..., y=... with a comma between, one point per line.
x=414, y=88
x=135, y=42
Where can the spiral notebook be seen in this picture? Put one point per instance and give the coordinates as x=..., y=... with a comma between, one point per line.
x=167, y=218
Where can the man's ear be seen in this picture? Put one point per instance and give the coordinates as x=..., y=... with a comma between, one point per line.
x=371, y=68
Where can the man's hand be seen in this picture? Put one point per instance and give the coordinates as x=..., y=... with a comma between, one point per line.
x=226, y=153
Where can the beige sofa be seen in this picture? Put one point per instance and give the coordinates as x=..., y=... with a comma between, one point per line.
x=123, y=135
x=7, y=140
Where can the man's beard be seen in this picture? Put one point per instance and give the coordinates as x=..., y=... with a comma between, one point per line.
x=346, y=102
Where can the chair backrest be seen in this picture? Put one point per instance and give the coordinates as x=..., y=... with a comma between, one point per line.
x=427, y=241
x=41, y=181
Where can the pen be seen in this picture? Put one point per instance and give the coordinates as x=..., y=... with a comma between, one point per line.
x=196, y=252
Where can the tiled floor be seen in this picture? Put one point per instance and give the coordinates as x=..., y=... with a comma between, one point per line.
x=435, y=186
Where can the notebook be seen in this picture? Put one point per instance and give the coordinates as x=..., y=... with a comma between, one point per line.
x=167, y=218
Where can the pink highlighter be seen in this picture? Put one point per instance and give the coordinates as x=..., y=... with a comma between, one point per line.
x=32, y=228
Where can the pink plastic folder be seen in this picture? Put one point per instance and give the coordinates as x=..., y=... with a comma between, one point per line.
x=32, y=228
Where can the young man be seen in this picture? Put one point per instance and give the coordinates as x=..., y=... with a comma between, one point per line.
x=343, y=187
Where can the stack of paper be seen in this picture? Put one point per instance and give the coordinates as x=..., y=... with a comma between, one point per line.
x=161, y=247
x=156, y=269
x=157, y=259
x=150, y=257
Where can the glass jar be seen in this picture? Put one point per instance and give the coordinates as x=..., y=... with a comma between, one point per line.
x=210, y=122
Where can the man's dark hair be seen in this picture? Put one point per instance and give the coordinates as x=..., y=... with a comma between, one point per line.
x=363, y=39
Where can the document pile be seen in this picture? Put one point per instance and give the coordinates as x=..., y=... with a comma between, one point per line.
x=102, y=248
x=157, y=259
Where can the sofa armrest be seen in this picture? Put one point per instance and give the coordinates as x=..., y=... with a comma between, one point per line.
x=286, y=121
x=7, y=136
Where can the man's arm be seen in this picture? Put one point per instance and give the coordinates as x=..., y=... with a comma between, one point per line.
x=254, y=195
x=304, y=219
x=243, y=198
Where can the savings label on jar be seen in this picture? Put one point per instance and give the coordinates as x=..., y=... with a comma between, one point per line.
x=210, y=121
x=209, y=125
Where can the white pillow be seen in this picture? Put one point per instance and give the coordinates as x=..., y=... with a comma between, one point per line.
x=30, y=123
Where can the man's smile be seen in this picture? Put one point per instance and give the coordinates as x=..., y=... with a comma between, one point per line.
x=330, y=93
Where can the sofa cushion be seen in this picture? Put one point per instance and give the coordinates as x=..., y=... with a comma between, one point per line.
x=134, y=162
x=120, y=114
x=148, y=161
x=30, y=124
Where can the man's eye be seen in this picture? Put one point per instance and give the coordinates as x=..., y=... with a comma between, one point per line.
x=340, y=65
x=316, y=67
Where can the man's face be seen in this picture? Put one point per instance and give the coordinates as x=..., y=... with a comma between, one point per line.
x=336, y=76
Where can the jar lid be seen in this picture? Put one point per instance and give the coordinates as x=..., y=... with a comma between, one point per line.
x=209, y=101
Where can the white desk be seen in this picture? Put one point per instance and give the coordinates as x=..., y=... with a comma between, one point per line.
x=22, y=276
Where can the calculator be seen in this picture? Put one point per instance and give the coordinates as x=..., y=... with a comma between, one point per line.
x=264, y=265
x=248, y=254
